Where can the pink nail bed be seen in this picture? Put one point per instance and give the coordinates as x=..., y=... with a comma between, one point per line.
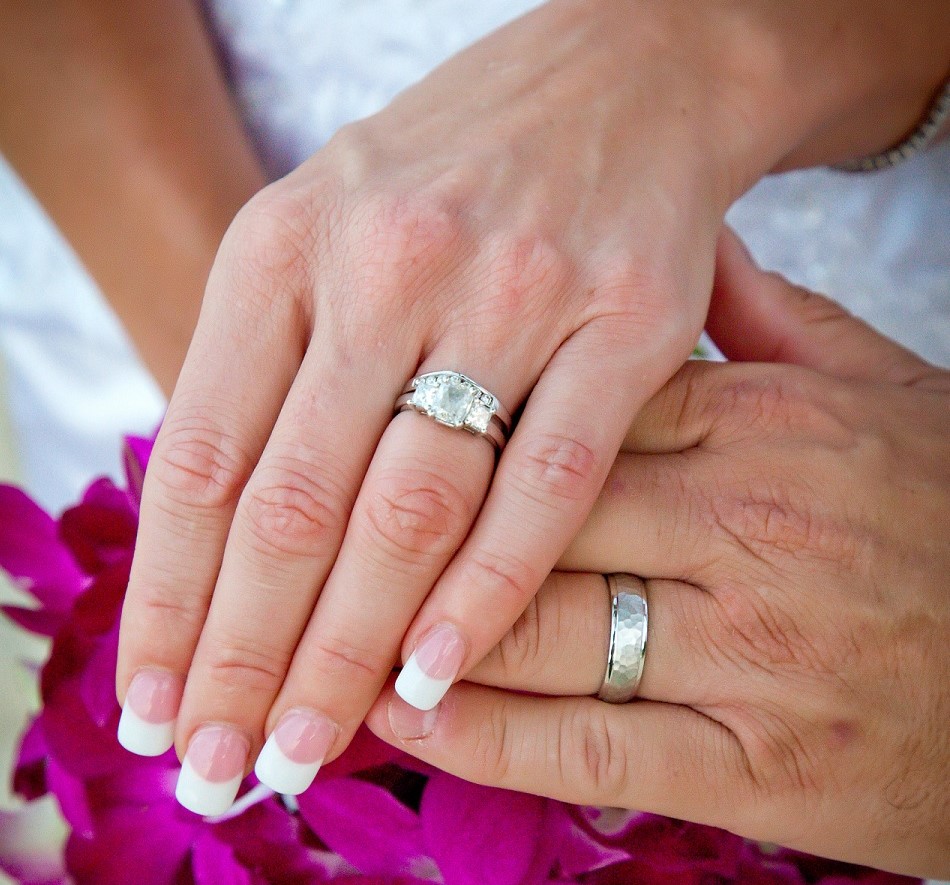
x=154, y=695
x=304, y=737
x=440, y=653
x=147, y=725
x=217, y=753
x=432, y=667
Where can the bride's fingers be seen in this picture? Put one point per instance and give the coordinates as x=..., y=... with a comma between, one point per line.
x=559, y=645
x=655, y=757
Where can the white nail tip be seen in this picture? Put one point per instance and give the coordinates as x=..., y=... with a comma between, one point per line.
x=283, y=775
x=202, y=796
x=417, y=688
x=142, y=737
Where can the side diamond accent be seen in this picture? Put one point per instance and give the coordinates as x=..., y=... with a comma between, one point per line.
x=479, y=417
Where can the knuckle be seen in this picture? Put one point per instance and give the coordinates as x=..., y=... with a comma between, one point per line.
x=245, y=664
x=293, y=509
x=502, y=580
x=783, y=400
x=199, y=465
x=557, y=469
x=590, y=740
x=779, y=752
x=775, y=518
x=756, y=635
x=179, y=614
x=272, y=239
x=520, y=650
x=513, y=271
x=338, y=658
x=642, y=304
x=416, y=514
x=760, y=399
x=492, y=749
x=816, y=310
x=397, y=240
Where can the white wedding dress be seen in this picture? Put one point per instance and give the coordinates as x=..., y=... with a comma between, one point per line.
x=301, y=68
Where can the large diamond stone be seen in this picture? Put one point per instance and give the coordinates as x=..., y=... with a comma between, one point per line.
x=447, y=398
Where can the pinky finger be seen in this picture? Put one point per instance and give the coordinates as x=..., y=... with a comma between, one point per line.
x=661, y=758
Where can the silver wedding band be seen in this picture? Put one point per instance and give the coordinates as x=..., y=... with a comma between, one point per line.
x=628, y=638
x=455, y=400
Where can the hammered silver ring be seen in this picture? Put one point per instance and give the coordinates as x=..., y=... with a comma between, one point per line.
x=455, y=400
x=627, y=648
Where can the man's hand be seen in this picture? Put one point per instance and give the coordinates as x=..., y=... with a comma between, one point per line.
x=791, y=524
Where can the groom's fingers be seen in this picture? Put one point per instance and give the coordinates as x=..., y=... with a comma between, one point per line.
x=757, y=316
x=655, y=757
x=559, y=644
x=760, y=317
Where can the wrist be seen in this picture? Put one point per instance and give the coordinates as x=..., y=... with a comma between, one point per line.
x=804, y=84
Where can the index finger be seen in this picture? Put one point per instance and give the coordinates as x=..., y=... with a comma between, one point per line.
x=231, y=388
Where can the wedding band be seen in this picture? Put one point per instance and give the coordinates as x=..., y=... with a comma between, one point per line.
x=628, y=638
x=455, y=400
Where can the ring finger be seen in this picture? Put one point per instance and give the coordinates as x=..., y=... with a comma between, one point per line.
x=419, y=498
x=559, y=645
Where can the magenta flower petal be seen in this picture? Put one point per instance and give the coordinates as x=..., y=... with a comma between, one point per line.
x=100, y=531
x=364, y=752
x=267, y=839
x=97, y=682
x=214, y=863
x=131, y=846
x=33, y=555
x=70, y=793
x=366, y=825
x=42, y=622
x=578, y=851
x=29, y=773
x=479, y=834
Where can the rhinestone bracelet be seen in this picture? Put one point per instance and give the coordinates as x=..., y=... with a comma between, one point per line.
x=919, y=140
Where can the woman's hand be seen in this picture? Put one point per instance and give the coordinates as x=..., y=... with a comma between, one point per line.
x=540, y=213
x=791, y=521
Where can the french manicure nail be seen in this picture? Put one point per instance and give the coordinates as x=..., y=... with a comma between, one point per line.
x=431, y=668
x=410, y=723
x=212, y=771
x=147, y=724
x=295, y=750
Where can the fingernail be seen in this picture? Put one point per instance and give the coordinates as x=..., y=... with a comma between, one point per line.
x=410, y=723
x=147, y=724
x=212, y=771
x=431, y=668
x=294, y=752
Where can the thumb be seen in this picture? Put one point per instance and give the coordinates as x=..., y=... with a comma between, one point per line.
x=762, y=317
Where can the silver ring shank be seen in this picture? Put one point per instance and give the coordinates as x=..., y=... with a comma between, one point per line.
x=495, y=433
x=628, y=638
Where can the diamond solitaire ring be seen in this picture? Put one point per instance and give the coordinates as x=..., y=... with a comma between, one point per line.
x=455, y=400
x=628, y=638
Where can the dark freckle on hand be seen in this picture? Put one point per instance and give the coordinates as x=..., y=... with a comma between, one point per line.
x=617, y=486
x=842, y=734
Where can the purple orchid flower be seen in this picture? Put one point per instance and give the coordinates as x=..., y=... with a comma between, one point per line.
x=375, y=815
